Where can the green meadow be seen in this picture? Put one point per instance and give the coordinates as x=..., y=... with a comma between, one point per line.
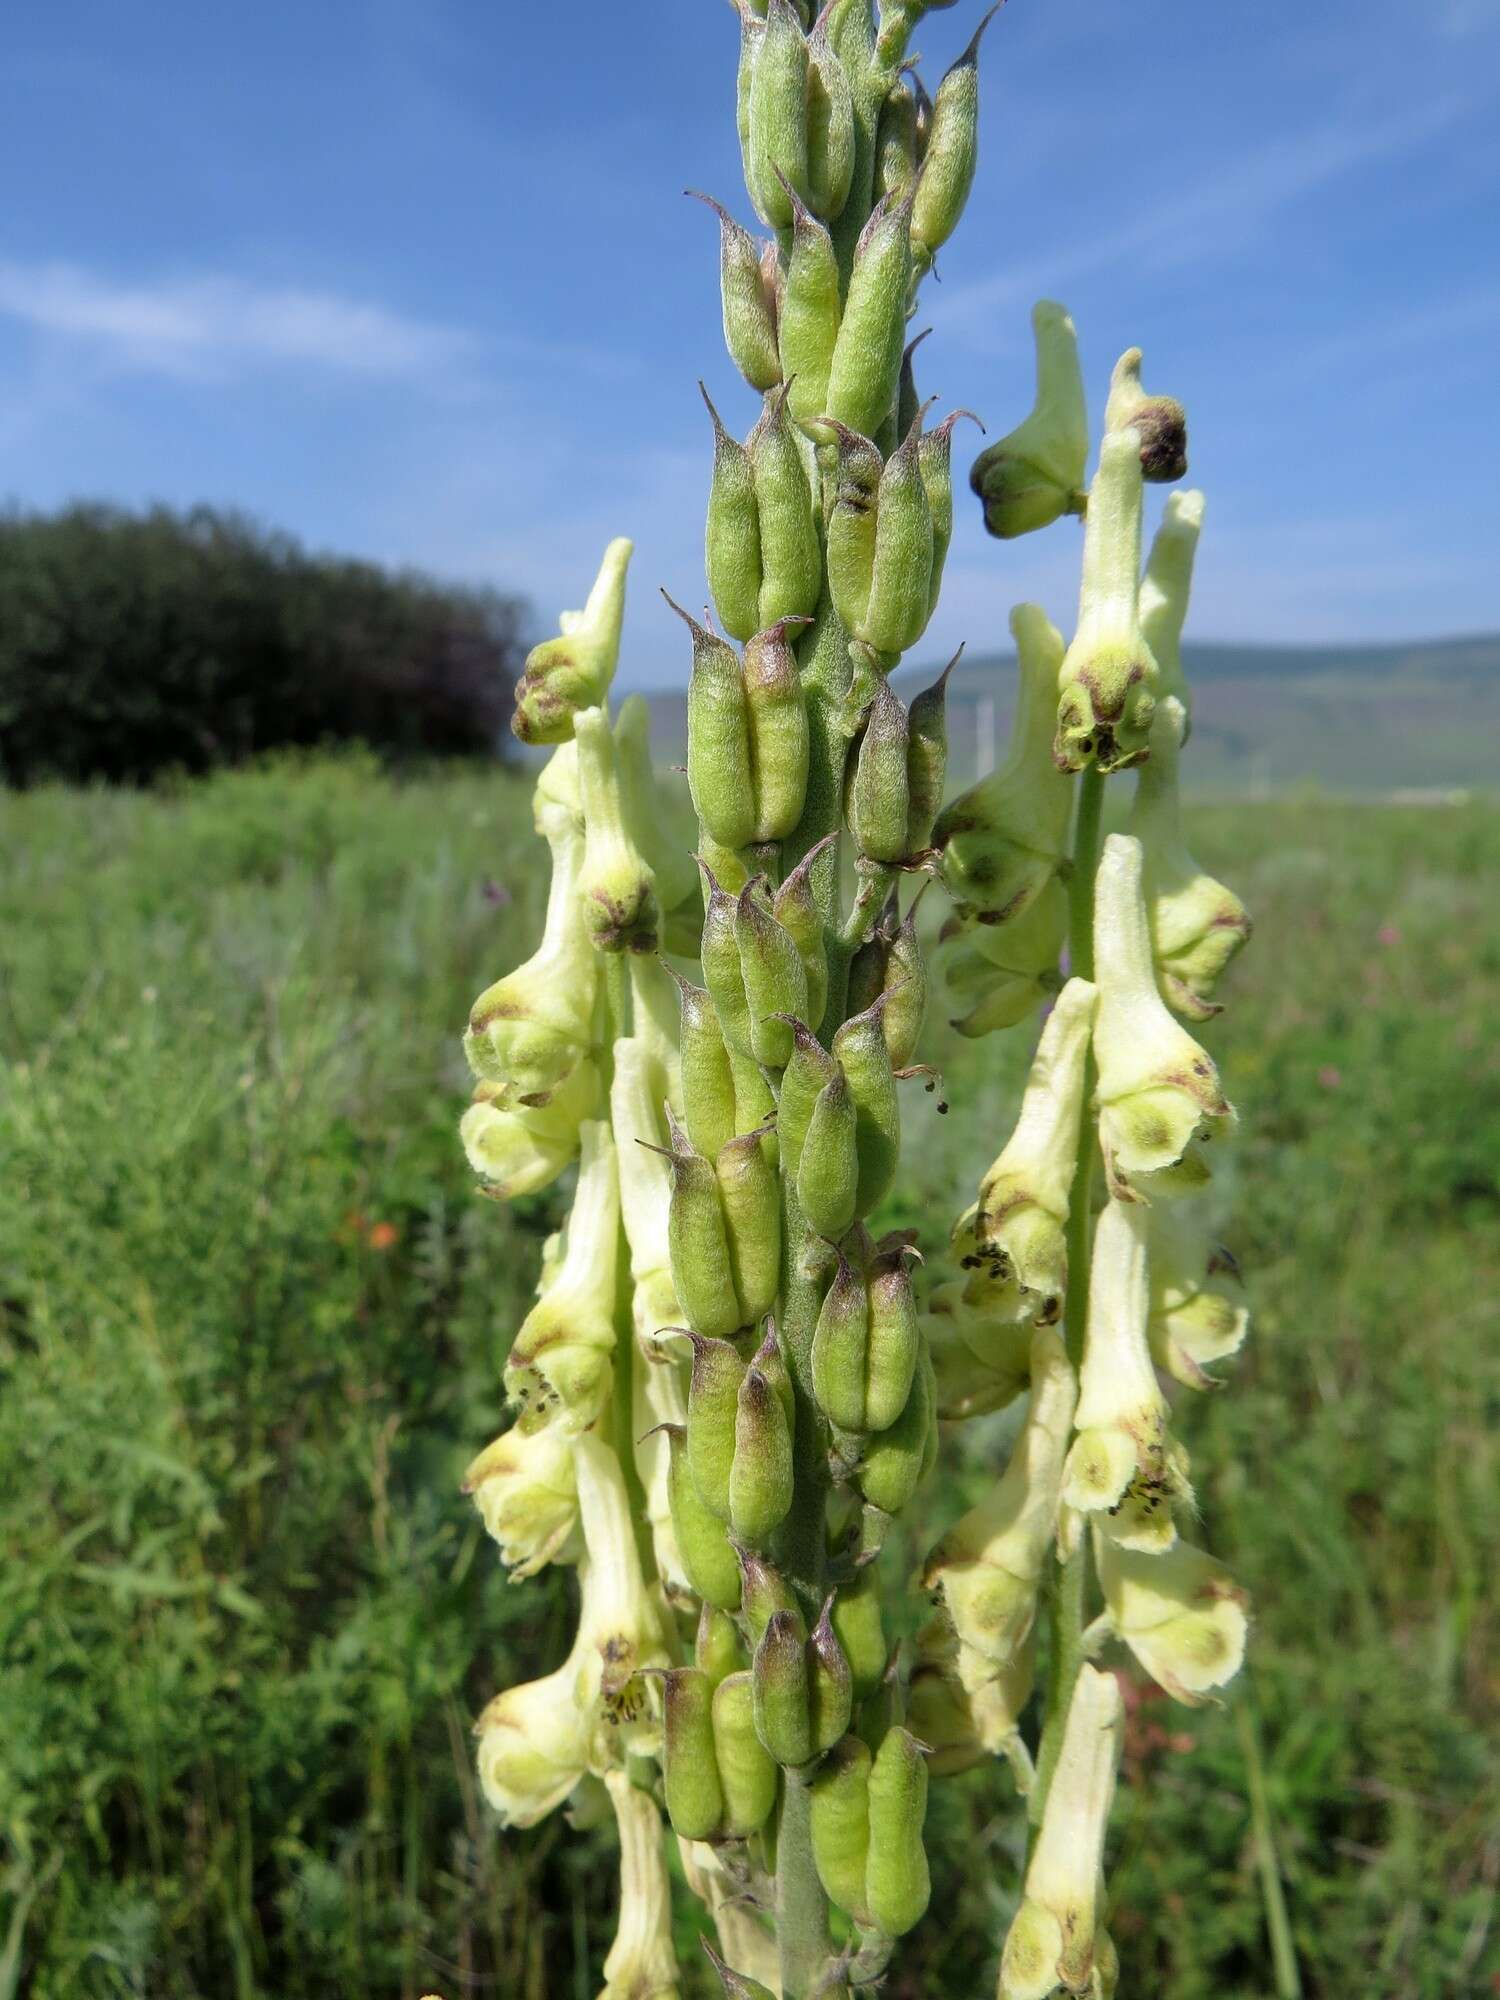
x=252, y=1321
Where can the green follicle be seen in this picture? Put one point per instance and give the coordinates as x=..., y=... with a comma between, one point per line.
x=830, y=123
x=749, y=311
x=860, y=1049
x=852, y=525
x=897, y=1884
x=841, y=1824
x=795, y=907
x=830, y=1683
x=864, y=375
x=808, y=1069
x=777, y=714
x=908, y=403
x=951, y=153
x=747, y=1776
x=810, y=312
x=752, y=1222
x=719, y=740
x=708, y=1106
x=894, y=1462
x=779, y=1683
x=710, y=1562
x=760, y=1479
x=722, y=971
x=900, y=584
x=763, y=1590
x=731, y=537
x=771, y=968
x=698, y=1240
x=935, y=456
x=896, y=153
x=840, y=1350
x=828, y=1161
x=778, y=115
x=927, y=759
x=790, y=558
x=717, y=1648
x=713, y=1404
x=736, y=1985
x=857, y=1621
x=895, y=1342
x=877, y=807
x=694, y=1797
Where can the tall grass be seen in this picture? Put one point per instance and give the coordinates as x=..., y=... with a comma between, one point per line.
x=251, y=1330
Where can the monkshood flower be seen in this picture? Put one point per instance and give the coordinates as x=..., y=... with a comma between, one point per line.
x=622, y=1627
x=1159, y=421
x=1029, y=477
x=1108, y=679
x=574, y=670
x=535, y=1742
x=1181, y=1614
x=981, y=1356
x=642, y=1964
x=517, y=1148
x=1124, y=1467
x=643, y=1083
x=1198, y=1313
x=616, y=888
x=560, y=1360
x=1159, y=1096
x=1197, y=925
x=526, y=1490
x=1056, y=1939
x=965, y=1708
x=996, y=975
x=987, y=1570
x=1164, y=593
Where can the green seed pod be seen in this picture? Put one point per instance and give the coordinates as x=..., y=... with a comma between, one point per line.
x=906, y=990
x=828, y=1165
x=856, y=1619
x=952, y=150
x=713, y=1405
x=754, y=1101
x=749, y=313
x=722, y=972
x=752, y=1223
x=690, y=1776
x=752, y=34
x=791, y=562
x=927, y=759
x=830, y=125
x=841, y=1824
x=778, y=1680
x=924, y=112
x=897, y=1884
x=809, y=323
x=878, y=807
x=884, y=1708
x=852, y=526
x=795, y=908
x=808, y=1070
x=747, y=1776
x=895, y=1460
x=698, y=1241
x=718, y=753
x=711, y=1565
x=894, y=1344
x=778, y=115
x=775, y=984
x=771, y=1361
x=760, y=1479
x=909, y=405
x=778, y=732
x=1160, y=421
x=731, y=536
x=862, y=379
x=865, y=1060
x=717, y=1648
x=830, y=1685
x=840, y=1348
x=763, y=1592
x=935, y=459
x=896, y=141
x=900, y=587
x=708, y=1110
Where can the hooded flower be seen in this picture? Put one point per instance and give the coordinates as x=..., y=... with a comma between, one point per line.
x=1197, y=1314
x=622, y=1627
x=1197, y=925
x=560, y=1359
x=617, y=889
x=642, y=1085
x=1056, y=1939
x=1022, y=1216
x=1035, y=473
x=534, y=1744
x=1123, y=1467
x=964, y=1708
x=998, y=975
x=988, y=1569
x=1164, y=593
x=1181, y=1614
x=980, y=1356
x=574, y=670
x=517, y=1148
x=1159, y=1095
x=1107, y=684
x=526, y=1491
x=642, y=1964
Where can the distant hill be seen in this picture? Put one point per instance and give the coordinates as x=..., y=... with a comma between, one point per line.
x=1423, y=715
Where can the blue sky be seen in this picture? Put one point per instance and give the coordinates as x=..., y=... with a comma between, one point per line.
x=415, y=279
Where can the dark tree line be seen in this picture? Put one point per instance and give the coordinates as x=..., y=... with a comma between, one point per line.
x=130, y=644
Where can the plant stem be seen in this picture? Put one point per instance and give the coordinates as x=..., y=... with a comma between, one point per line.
x=801, y=1907
x=1263, y=1833
x=1070, y=1581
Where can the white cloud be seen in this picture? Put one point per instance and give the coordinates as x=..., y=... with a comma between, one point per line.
x=211, y=326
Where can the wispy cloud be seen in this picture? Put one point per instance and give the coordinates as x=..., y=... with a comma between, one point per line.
x=212, y=325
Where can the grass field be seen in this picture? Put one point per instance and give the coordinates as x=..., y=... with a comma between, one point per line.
x=252, y=1326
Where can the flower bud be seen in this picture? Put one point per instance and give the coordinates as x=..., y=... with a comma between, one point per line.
x=952, y=153
x=1022, y=1216
x=533, y=1746
x=860, y=1049
x=894, y=1343
x=1181, y=1614
x=723, y=973
x=718, y=751
x=987, y=1570
x=1004, y=838
x=852, y=526
x=896, y=141
x=1164, y=592
x=777, y=713
x=516, y=1149
x=1108, y=679
x=642, y=1960
x=897, y=1884
x=731, y=538
x=809, y=316
x=747, y=1774
x=895, y=1461
x=616, y=888
x=752, y=1223
x=840, y=1348
x=1159, y=1095
x=840, y=1814
x=775, y=983
x=1160, y=421
x=778, y=115
x=779, y=1684
x=877, y=802
x=1197, y=1311
x=695, y=1802
x=795, y=907
x=1051, y=1942
x=926, y=762
x=760, y=1477
x=574, y=670
x=707, y=1082
x=1197, y=925
x=526, y=1491
x=828, y=1163
x=710, y=1564
x=791, y=561
x=1004, y=973
x=862, y=378
x=749, y=315
x=830, y=1683
x=856, y=1620
x=713, y=1408
x=830, y=125
x=1035, y=473
x=702, y=1271
x=561, y=1355
x=901, y=583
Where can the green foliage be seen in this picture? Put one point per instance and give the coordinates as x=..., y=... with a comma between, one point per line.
x=130, y=644
x=252, y=1331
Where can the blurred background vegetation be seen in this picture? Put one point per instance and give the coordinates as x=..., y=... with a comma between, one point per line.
x=252, y=1329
